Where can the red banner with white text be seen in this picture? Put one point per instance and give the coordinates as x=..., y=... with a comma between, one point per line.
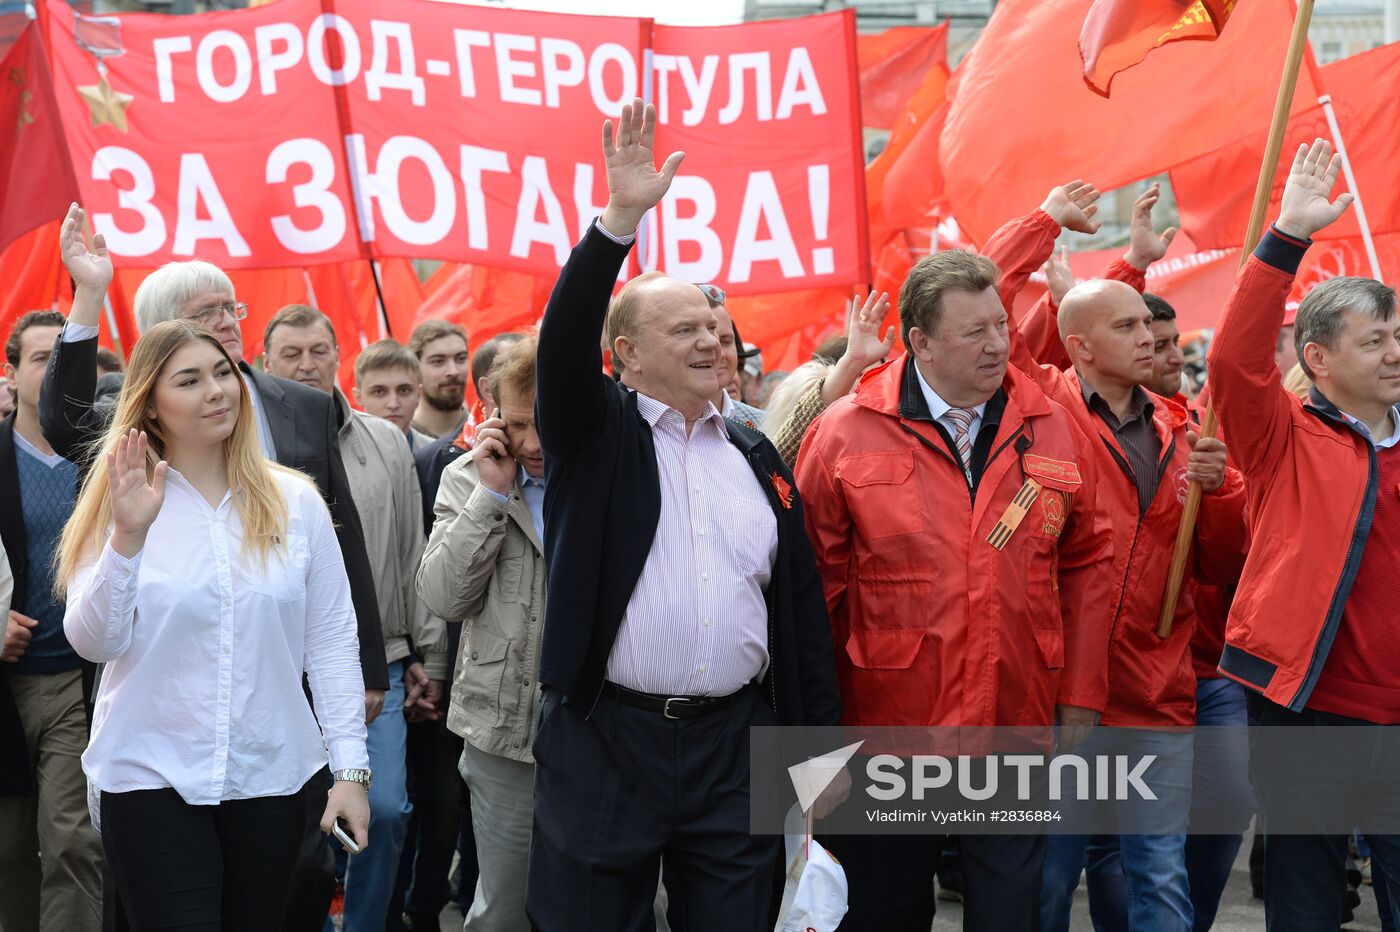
x=315, y=131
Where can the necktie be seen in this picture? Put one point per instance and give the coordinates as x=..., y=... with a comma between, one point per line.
x=962, y=422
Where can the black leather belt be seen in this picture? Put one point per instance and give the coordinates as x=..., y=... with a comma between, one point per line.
x=673, y=707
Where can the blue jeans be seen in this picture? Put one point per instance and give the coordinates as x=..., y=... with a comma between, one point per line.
x=370, y=877
x=1135, y=881
x=1222, y=795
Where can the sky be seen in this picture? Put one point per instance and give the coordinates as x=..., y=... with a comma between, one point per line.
x=669, y=12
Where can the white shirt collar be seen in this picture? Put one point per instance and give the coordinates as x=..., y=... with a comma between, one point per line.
x=937, y=407
x=51, y=460
x=654, y=411
x=1388, y=442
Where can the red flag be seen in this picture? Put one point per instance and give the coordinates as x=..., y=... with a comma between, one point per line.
x=1214, y=192
x=1118, y=34
x=893, y=64
x=903, y=184
x=36, y=178
x=33, y=274
x=794, y=323
x=1021, y=120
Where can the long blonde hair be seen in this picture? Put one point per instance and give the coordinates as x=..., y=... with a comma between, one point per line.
x=783, y=402
x=260, y=503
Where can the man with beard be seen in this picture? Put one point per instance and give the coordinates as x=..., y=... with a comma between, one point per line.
x=441, y=349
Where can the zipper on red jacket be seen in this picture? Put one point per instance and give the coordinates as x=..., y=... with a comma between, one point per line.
x=1334, y=611
x=1137, y=530
x=1123, y=587
x=949, y=457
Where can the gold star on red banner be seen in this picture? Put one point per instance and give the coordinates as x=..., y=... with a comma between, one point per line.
x=24, y=117
x=107, y=107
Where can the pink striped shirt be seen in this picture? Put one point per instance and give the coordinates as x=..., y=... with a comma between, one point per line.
x=697, y=622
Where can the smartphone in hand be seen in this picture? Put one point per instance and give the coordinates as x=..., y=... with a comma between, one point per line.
x=342, y=835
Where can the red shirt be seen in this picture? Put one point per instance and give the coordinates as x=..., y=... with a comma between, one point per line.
x=1361, y=678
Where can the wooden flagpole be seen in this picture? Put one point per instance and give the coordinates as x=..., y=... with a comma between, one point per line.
x=1296, y=47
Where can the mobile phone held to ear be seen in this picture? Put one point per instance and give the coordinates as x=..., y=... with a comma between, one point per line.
x=343, y=836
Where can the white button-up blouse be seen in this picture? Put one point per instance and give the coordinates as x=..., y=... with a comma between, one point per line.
x=205, y=649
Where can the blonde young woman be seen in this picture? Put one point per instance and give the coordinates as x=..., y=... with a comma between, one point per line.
x=208, y=579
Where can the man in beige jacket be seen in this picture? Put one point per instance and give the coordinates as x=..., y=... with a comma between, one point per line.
x=299, y=343
x=485, y=566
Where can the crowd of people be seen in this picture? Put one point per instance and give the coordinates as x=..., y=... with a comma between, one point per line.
x=271, y=647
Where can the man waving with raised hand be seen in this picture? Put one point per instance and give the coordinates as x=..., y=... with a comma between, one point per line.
x=1313, y=629
x=684, y=604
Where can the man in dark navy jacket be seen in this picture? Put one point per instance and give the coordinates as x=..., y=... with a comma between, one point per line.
x=684, y=602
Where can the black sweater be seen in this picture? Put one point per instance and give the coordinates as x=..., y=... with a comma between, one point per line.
x=603, y=502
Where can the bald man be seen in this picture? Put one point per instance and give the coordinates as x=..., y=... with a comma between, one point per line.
x=683, y=602
x=1147, y=458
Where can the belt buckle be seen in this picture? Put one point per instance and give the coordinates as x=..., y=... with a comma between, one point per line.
x=666, y=709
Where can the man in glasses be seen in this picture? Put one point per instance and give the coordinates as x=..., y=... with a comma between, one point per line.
x=296, y=424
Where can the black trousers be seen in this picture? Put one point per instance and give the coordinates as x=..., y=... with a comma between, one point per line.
x=890, y=878
x=1348, y=770
x=313, y=874
x=616, y=793
x=201, y=868
x=441, y=814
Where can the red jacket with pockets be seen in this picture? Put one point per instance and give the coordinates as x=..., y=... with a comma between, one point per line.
x=1151, y=681
x=1312, y=486
x=933, y=625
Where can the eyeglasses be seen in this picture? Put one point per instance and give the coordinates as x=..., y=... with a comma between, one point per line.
x=714, y=293
x=211, y=315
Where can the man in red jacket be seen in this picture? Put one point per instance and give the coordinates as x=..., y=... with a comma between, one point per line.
x=1221, y=797
x=951, y=506
x=1313, y=630
x=1146, y=461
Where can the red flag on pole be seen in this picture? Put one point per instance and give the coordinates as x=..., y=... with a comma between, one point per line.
x=1028, y=122
x=1118, y=34
x=893, y=64
x=36, y=180
x=1213, y=192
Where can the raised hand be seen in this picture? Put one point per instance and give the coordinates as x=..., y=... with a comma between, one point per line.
x=1306, y=207
x=135, y=500
x=864, y=348
x=1144, y=245
x=494, y=464
x=1073, y=206
x=90, y=268
x=635, y=185
x=1059, y=278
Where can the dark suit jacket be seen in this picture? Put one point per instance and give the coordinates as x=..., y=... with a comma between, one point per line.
x=304, y=425
x=16, y=774
x=602, y=502
x=432, y=461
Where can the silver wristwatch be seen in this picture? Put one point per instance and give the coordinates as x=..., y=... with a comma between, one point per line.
x=353, y=776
